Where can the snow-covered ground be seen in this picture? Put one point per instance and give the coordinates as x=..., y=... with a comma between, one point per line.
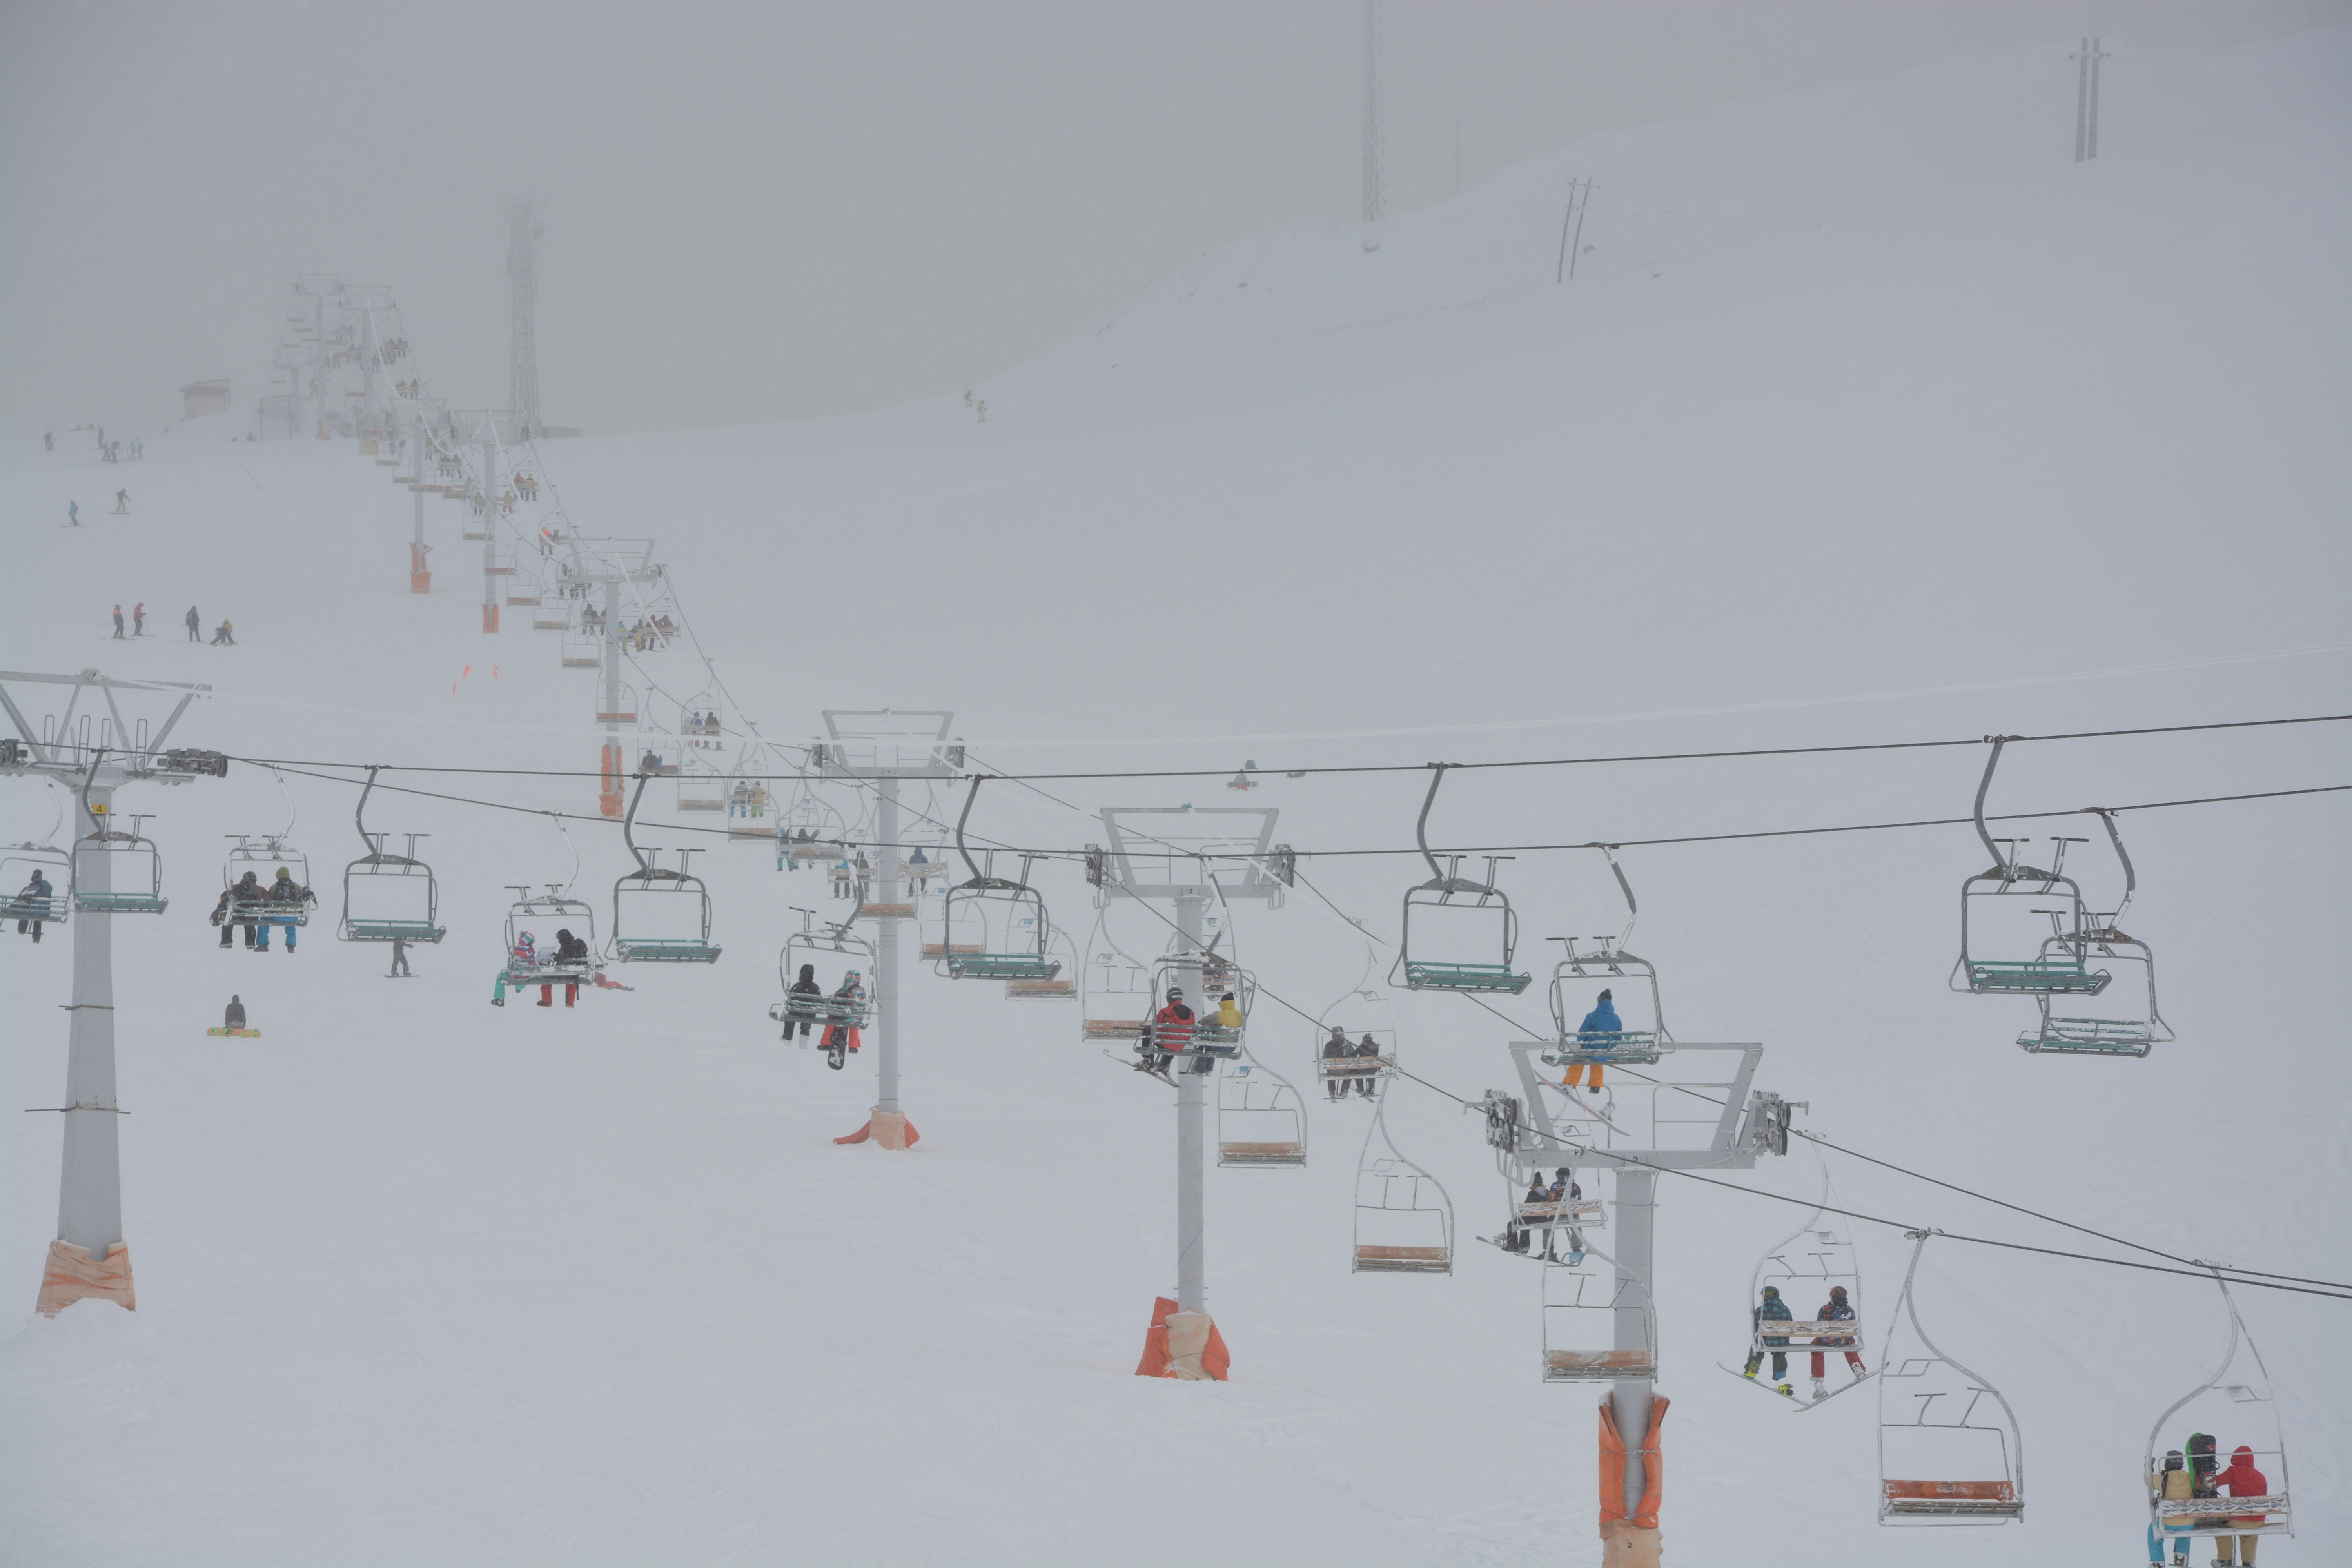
x=1868, y=417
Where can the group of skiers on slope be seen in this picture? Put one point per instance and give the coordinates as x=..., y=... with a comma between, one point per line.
x=1171, y=1031
x=224, y=634
x=246, y=902
x=1337, y=1048
x=138, y=620
x=1838, y=1309
x=524, y=964
x=33, y=904
x=806, y=1004
x=1518, y=1236
x=2184, y=1478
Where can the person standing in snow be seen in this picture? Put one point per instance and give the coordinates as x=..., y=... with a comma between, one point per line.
x=399, y=970
x=139, y=619
x=196, y=625
x=118, y=623
x=1836, y=1310
x=1601, y=1030
x=73, y=513
x=1771, y=1310
x=123, y=501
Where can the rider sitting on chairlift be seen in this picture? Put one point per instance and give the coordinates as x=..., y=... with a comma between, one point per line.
x=1772, y=1309
x=1836, y=1310
x=1172, y=1029
x=1337, y=1048
x=569, y=949
x=34, y=897
x=1228, y=1014
x=1367, y=1048
x=2241, y=1479
x=2170, y=1483
x=1599, y=1030
x=246, y=891
x=800, y=1012
x=286, y=891
x=848, y=998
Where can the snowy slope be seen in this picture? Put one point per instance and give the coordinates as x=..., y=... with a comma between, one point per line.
x=1868, y=417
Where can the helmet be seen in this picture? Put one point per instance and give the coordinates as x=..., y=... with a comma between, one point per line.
x=1604, y=996
x=1175, y=993
x=1837, y=1292
x=1773, y=1291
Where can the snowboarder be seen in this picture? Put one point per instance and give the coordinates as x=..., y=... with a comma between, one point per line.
x=1171, y=1030
x=1367, y=1084
x=287, y=896
x=195, y=624
x=800, y=1002
x=224, y=635
x=1337, y=1048
x=1836, y=1310
x=399, y=970
x=123, y=501
x=1600, y=1031
x=139, y=619
x=848, y=1001
x=233, y=1016
x=32, y=904
x=2241, y=1479
x=118, y=623
x=2170, y=1483
x=1771, y=1310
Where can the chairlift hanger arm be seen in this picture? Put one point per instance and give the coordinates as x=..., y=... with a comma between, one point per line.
x=2106, y=816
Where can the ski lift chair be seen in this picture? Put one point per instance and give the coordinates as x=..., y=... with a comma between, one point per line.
x=700, y=789
x=1352, y=1068
x=112, y=852
x=1576, y=1215
x=1056, y=989
x=1447, y=889
x=1017, y=934
x=1260, y=1119
x=1582, y=1317
x=660, y=916
x=387, y=897
x=17, y=864
x=262, y=856
x=2005, y=895
x=1404, y=1221
x=541, y=916
x=2235, y=1407
x=1805, y=1267
x=1949, y=1448
x=812, y=945
x=1113, y=986
x=2133, y=1025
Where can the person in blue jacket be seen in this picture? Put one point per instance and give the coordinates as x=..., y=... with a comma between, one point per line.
x=1771, y=1310
x=1599, y=1030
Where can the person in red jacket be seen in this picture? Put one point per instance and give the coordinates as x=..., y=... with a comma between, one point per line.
x=2241, y=1479
x=1171, y=1030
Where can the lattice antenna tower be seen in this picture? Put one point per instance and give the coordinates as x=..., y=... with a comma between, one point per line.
x=2086, y=100
x=1375, y=159
x=523, y=230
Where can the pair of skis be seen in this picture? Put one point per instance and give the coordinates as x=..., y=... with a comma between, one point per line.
x=1801, y=1404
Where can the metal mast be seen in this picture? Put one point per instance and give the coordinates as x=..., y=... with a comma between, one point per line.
x=2087, y=101
x=89, y=1257
x=883, y=746
x=490, y=467
x=523, y=230
x=1375, y=164
x=609, y=563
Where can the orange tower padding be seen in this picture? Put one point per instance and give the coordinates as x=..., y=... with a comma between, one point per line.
x=889, y=1129
x=609, y=801
x=420, y=579
x=490, y=617
x=1216, y=1360
x=72, y=1275
x=1631, y=1543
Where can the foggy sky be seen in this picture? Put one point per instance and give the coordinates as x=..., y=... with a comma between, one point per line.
x=757, y=212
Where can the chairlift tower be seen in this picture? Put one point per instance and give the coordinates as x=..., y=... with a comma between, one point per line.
x=881, y=747
x=92, y=754
x=1171, y=854
x=490, y=468
x=1680, y=1128
x=1375, y=153
x=523, y=231
x=613, y=564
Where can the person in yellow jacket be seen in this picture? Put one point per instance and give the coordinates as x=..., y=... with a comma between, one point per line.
x=1228, y=1016
x=2171, y=1483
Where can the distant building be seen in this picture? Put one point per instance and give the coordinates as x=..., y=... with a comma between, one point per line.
x=203, y=397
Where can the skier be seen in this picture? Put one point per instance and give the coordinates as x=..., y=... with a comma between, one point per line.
x=399, y=970
x=798, y=1011
x=1368, y=1047
x=1565, y=1190
x=1836, y=1310
x=288, y=896
x=848, y=1000
x=1171, y=1030
x=521, y=959
x=233, y=1016
x=139, y=619
x=2169, y=1484
x=196, y=625
x=32, y=904
x=1599, y=1032
x=1516, y=1235
x=918, y=870
x=1337, y=1048
x=1772, y=1309
x=123, y=501
x=48, y=440
x=118, y=623
x=73, y=513
x=1228, y=1015
x=238, y=900
x=2241, y=1479
x=864, y=875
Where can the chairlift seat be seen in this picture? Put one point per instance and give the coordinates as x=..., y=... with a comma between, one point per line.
x=1582, y=1212
x=1002, y=966
x=1421, y=976
x=1328, y=1068
x=2250, y=1518
x=900, y=911
x=838, y=1011
x=1113, y=1028
x=1953, y=1500
x=574, y=971
x=1403, y=1260
x=392, y=930
x=1044, y=990
x=2036, y=977
x=2089, y=1037
x=119, y=903
x=1262, y=1154
x=1576, y=1366
x=941, y=950
x=1634, y=1046
x=50, y=909
x=664, y=949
